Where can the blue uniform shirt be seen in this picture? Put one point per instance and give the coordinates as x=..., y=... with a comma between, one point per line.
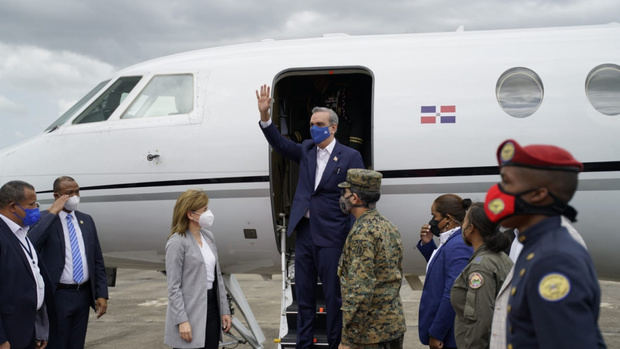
x=555, y=295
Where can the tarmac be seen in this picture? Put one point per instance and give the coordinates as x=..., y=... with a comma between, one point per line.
x=137, y=311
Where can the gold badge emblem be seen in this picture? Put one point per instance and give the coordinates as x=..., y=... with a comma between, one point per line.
x=507, y=152
x=475, y=280
x=554, y=287
x=496, y=206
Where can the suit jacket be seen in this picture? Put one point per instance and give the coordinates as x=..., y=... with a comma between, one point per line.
x=436, y=316
x=498, y=326
x=328, y=225
x=49, y=239
x=187, y=289
x=20, y=322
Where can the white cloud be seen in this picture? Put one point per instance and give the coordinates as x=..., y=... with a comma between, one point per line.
x=60, y=72
x=9, y=107
x=303, y=21
x=38, y=85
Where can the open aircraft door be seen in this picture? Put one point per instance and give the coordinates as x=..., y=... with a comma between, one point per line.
x=349, y=92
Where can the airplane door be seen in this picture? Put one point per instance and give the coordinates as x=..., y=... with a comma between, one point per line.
x=348, y=91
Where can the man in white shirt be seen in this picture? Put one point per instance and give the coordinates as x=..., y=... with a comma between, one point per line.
x=23, y=316
x=68, y=242
x=320, y=225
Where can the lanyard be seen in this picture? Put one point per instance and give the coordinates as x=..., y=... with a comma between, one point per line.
x=27, y=248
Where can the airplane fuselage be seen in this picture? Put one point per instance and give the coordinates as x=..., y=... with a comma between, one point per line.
x=436, y=120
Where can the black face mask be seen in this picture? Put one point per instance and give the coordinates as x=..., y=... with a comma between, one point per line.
x=434, y=226
x=345, y=204
x=558, y=207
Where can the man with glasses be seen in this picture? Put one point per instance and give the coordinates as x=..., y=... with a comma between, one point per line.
x=23, y=316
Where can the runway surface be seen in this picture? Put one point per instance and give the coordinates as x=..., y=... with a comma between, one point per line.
x=137, y=309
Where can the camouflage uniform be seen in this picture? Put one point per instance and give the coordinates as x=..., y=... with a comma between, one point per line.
x=370, y=273
x=473, y=297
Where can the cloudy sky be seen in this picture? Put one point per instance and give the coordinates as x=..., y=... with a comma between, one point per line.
x=53, y=52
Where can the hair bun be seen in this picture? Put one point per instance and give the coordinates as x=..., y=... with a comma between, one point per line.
x=466, y=203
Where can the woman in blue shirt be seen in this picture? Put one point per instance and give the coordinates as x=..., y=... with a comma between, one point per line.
x=444, y=263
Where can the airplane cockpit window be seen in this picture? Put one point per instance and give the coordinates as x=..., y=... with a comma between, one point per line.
x=164, y=95
x=69, y=113
x=603, y=88
x=106, y=104
x=519, y=92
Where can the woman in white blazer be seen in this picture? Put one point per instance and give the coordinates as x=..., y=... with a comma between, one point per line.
x=197, y=303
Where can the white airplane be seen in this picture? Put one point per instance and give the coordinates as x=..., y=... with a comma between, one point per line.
x=428, y=110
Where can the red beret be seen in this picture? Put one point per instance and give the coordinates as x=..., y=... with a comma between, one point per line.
x=548, y=157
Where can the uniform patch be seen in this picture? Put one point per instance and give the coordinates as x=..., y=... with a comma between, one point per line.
x=507, y=152
x=496, y=206
x=475, y=280
x=554, y=287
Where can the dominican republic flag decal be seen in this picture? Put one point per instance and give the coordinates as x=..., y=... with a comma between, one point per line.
x=431, y=114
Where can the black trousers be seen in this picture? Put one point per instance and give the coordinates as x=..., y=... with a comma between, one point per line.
x=212, y=335
x=310, y=261
x=71, y=307
x=213, y=320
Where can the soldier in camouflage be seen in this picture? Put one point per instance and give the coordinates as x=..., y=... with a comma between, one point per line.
x=370, y=269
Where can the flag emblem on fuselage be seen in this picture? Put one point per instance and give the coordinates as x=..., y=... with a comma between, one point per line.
x=432, y=114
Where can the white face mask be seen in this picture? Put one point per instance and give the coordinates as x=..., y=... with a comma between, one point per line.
x=72, y=203
x=206, y=219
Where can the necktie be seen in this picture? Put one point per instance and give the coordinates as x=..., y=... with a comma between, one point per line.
x=78, y=271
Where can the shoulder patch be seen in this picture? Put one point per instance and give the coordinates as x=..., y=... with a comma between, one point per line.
x=554, y=287
x=477, y=260
x=475, y=280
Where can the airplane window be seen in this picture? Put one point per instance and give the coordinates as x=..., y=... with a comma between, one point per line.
x=164, y=95
x=69, y=113
x=519, y=92
x=603, y=88
x=106, y=104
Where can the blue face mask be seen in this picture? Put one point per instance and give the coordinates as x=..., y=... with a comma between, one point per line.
x=319, y=134
x=32, y=216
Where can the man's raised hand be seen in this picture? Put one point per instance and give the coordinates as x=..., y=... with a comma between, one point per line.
x=264, y=102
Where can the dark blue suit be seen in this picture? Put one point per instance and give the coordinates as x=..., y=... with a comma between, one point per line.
x=48, y=237
x=555, y=295
x=436, y=316
x=18, y=292
x=319, y=239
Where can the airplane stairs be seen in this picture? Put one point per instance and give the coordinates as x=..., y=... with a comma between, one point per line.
x=288, y=315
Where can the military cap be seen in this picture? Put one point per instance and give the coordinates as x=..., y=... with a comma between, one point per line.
x=365, y=180
x=540, y=156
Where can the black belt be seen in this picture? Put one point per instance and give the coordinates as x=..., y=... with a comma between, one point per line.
x=60, y=286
